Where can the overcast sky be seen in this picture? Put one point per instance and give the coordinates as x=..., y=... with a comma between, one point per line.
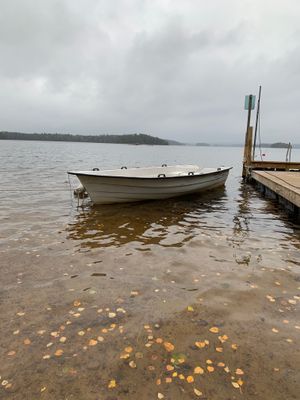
x=177, y=69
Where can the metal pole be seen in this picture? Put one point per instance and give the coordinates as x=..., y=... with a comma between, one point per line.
x=256, y=123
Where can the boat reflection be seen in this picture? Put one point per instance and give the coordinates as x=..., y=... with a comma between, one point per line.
x=168, y=223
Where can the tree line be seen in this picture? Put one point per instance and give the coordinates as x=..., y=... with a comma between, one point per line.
x=136, y=138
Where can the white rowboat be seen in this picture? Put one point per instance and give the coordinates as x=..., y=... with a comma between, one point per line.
x=151, y=183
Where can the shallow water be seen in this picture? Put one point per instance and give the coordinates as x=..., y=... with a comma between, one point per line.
x=167, y=270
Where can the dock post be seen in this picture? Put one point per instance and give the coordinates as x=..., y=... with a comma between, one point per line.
x=248, y=140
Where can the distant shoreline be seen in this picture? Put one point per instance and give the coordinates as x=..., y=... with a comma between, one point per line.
x=132, y=139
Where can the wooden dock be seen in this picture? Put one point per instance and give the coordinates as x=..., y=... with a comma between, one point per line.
x=281, y=185
x=279, y=180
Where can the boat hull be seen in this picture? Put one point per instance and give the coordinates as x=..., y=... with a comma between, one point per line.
x=115, y=189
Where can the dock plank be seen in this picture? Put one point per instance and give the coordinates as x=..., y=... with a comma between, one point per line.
x=285, y=184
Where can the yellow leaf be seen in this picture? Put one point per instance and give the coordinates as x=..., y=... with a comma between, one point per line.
x=168, y=380
x=239, y=371
x=198, y=370
x=190, y=379
x=235, y=385
x=76, y=303
x=63, y=339
x=158, y=381
x=169, y=367
x=112, y=384
x=209, y=362
x=43, y=389
x=210, y=369
x=234, y=346
x=226, y=369
x=219, y=349
x=124, y=356
x=93, y=342
x=197, y=392
x=59, y=352
x=181, y=376
x=190, y=308
x=128, y=349
x=214, y=329
x=132, y=364
x=240, y=382
x=169, y=346
x=200, y=344
x=221, y=364
x=81, y=333
x=160, y=396
x=223, y=338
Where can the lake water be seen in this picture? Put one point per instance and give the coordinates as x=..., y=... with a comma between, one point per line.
x=78, y=286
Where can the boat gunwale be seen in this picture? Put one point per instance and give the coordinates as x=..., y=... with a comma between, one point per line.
x=151, y=177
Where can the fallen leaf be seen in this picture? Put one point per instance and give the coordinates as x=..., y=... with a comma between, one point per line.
x=158, y=381
x=210, y=369
x=235, y=385
x=139, y=355
x=132, y=364
x=160, y=396
x=128, y=349
x=190, y=379
x=223, y=338
x=275, y=330
x=43, y=389
x=197, y=392
x=198, y=370
x=159, y=340
x=93, y=342
x=190, y=309
x=58, y=353
x=200, y=345
x=214, y=329
x=234, y=346
x=240, y=382
x=168, y=380
x=124, y=356
x=27, y=341
x=219, y=349
x=111, y=315
x=169, y=367
x=76, y=303
x=63, y=339
x=239, y=371
x=112, y=384
x=209, y=362
x=169, y=346
x=221, y=364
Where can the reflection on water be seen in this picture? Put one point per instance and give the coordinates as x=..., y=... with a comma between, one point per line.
x=168, y=223
x=175, y=222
